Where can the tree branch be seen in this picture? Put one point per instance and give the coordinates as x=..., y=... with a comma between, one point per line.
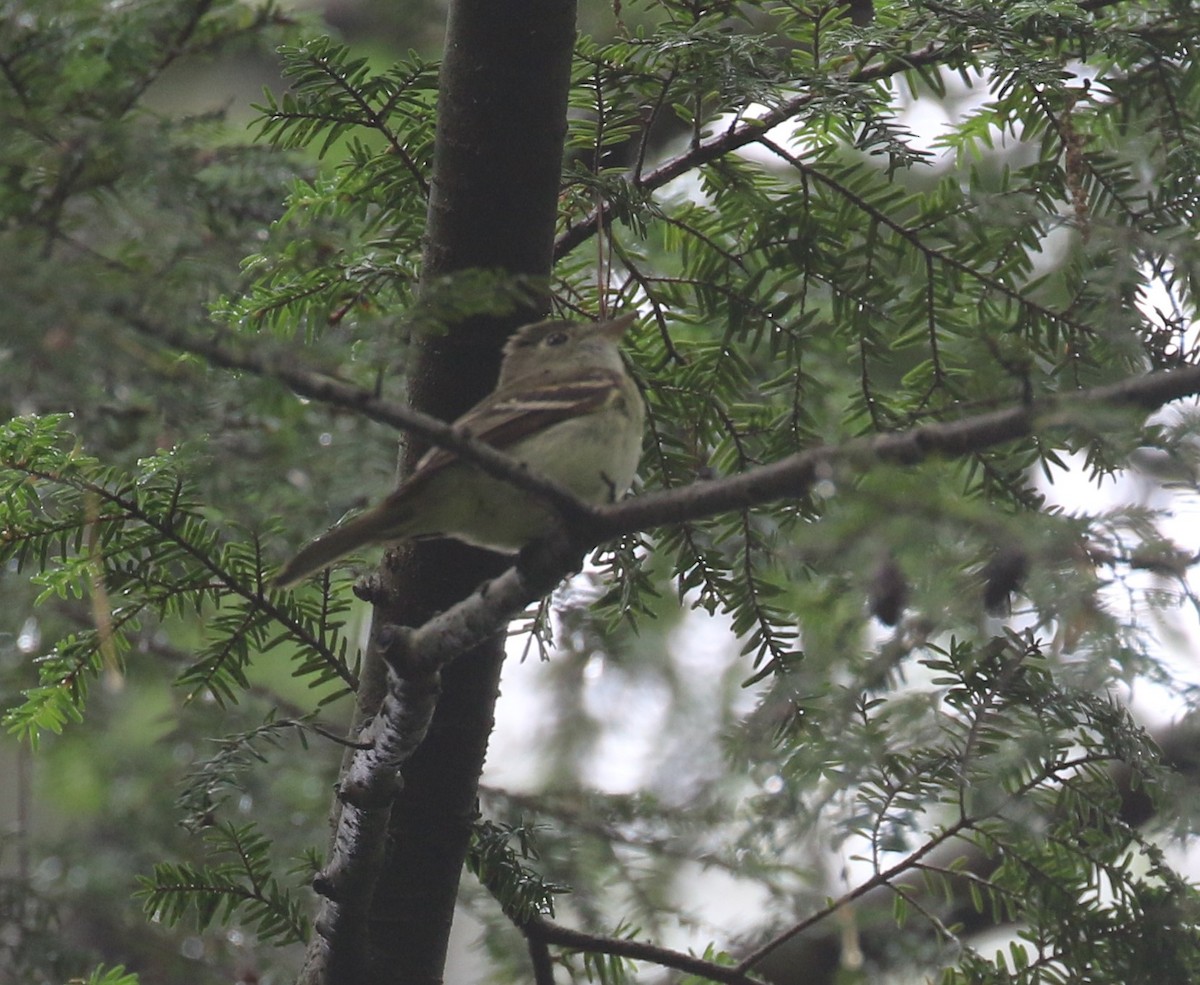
x=339, y=952
x=539, y=957
x=318, y=386
x=547, y=932
x=795, y=475
x=747, y=132
x=812, y=955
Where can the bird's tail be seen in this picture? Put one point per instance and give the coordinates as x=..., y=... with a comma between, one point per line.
x=366, y=528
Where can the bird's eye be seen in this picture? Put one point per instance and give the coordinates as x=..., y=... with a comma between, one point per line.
x=556, y=338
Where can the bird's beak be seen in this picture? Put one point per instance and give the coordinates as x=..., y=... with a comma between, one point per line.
x=617, y=327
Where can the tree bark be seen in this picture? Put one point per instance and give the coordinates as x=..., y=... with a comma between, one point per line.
x=497, y=170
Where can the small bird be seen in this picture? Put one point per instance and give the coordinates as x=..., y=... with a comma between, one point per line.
x=565, y=405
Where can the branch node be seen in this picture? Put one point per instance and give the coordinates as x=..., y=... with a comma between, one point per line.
x=369, y=589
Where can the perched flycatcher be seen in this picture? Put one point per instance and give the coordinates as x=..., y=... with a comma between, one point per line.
x=565, y=405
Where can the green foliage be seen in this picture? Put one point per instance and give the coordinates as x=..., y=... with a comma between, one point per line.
x=500, y=866
x=108, y=976
x=827, y=272
x=607, y=969
x=367, y=215
x=137, y=547
x=213, y=781
x=242, y=887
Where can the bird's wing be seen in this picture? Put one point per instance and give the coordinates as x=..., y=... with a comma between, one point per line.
x=504, y=418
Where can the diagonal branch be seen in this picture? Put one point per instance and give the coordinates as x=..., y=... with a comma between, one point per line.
x=318, y=386
x=795, y=475
x=545, y=932
x=750, y=130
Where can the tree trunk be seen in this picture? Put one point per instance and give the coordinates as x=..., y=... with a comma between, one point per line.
x=497, y=169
